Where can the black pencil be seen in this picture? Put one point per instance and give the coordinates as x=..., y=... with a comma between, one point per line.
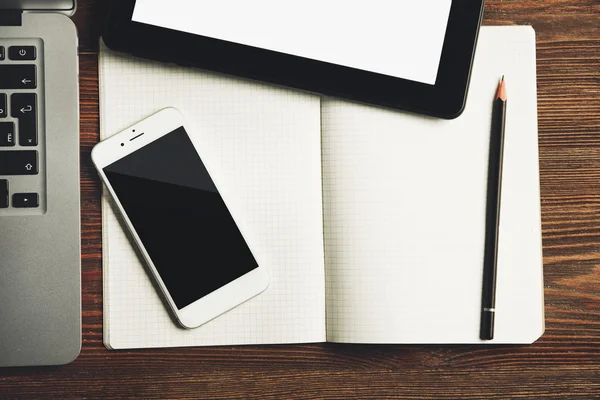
x=492, y=220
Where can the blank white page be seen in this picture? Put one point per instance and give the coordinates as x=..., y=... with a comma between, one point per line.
x=264, y=144
x=404, y=206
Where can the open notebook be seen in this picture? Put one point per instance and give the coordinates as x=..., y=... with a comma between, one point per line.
x=371, y=222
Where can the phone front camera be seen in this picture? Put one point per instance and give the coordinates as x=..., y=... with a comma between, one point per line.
x=122, y=144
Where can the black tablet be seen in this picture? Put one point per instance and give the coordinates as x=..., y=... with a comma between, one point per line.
x=409, y=55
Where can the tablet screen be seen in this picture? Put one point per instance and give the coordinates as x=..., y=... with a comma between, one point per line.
x=398, y=38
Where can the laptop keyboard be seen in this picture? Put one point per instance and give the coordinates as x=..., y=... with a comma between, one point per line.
x=22, y=139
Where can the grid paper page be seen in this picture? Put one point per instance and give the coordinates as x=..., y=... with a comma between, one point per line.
x=264, y=144
x=404, y=205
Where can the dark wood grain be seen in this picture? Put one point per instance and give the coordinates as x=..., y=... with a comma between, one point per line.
x=565, y=363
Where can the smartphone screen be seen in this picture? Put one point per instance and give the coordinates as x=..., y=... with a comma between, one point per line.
x=180, y=217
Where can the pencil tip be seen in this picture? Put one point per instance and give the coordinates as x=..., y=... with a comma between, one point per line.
x=501, y=94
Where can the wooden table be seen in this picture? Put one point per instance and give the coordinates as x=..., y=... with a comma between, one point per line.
x=564, y=363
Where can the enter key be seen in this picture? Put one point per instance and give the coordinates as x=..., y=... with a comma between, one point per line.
x=24, y=108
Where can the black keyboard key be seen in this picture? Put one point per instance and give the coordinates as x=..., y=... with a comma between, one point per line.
x=3, y=105
x=7, y=134
x=2, y=53
x=18, y=77
x=24, y=107
x=25, y=200
x=14, y=162
x=3, y=193
x=21, y=53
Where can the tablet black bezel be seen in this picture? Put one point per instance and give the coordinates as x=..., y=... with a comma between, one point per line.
x=445, y=99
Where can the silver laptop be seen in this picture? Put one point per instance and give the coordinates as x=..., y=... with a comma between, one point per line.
x=40, y=256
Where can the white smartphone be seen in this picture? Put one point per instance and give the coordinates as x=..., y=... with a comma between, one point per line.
x=193, y=245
